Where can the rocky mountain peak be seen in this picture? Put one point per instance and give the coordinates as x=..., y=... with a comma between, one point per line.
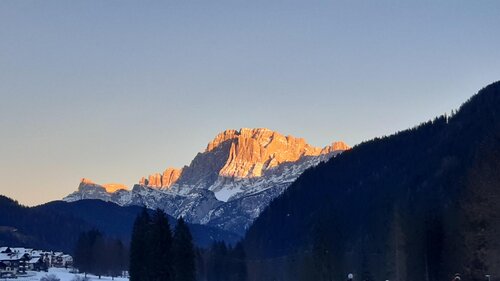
x=227, y=185
x=243, y=153
x=335, y=146
x=231, y=134
x=85, y=181
x=253, y=151
x=340, y=146
x=108, y=187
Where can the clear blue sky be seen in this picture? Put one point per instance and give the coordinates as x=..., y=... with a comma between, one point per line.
x=114, y=90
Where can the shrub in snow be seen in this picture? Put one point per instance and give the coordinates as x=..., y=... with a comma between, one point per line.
x=80, y=278
x=50, y=277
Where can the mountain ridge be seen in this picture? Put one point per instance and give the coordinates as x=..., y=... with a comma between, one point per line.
x=57, y=225
x=250, y=152
x=233, y=166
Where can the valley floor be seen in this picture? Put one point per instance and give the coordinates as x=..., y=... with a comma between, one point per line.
x=62, y=274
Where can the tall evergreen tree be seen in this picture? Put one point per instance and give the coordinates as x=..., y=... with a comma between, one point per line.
x=82, y=253
x=101, y=258
x=85, y=251
x=139, y=248
x=118, y=254
x=161, y=252
x=184, y=264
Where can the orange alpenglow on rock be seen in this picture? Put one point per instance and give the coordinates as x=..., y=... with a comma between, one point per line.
x=109, y=187
x=340, y=145
x=86, y=181
x=165, y=180
x=247, y=153
x=113, y=187
x=170, y=176
x=253, y=151
x=335, y=146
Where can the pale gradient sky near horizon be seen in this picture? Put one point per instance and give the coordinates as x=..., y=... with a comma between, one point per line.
x=115, y=90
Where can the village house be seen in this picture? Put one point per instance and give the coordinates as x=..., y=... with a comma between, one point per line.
x=36, y=264
x=17, y=260
x=60, y=259
x=14, y=262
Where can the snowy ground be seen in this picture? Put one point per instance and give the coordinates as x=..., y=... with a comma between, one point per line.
x=62, y=274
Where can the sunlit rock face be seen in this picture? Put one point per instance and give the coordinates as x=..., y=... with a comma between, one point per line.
x=85, y=181
x=170, y=176
x=163, y=180
x=244, y=153
x=87, y=189
x=229, y=183
x=86, y=184
x=253, y=151
x=114, y=187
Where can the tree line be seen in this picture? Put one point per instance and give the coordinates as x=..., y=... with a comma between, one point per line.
x=100, y=255
x=157, y=253
x=221, y=262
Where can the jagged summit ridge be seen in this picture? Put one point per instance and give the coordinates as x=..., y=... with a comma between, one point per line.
x=244, y=153
x=253, y=151
x=163, y=180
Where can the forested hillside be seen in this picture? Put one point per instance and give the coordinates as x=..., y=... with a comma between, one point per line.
x=421, y=204
x=57, y=225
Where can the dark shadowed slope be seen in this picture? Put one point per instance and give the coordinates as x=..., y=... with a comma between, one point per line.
x=118, y=221
x=419, y=205
x=30, y=227
x=57, y=225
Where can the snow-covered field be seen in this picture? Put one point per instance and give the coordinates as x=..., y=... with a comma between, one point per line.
x=62, y=274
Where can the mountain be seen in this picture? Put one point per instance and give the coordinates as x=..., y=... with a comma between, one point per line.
x=421, y=204
x=227, y=185
x=57, y=225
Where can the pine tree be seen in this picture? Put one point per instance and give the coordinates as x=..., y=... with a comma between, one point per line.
x=184, y=264
x=82, y=253
x=100, y=256
x=139, y=246
x=161, y=252
x=85, y=257
x=117, y=254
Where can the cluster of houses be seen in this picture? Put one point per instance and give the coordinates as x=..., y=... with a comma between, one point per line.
x=15, y=261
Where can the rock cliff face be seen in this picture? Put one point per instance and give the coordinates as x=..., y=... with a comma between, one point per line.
x=108, y=187
x=106, y=192
x=164, y=180
x=228, y=184
x=239, y=154
x=252, y=152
